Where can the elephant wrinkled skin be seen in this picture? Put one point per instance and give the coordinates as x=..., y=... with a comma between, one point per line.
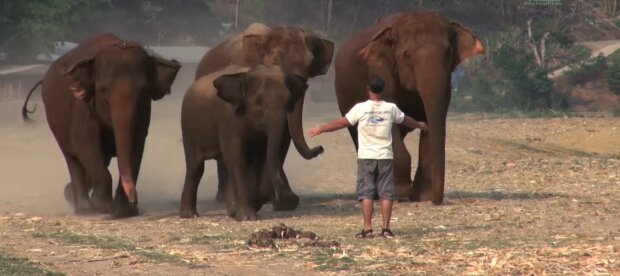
x=239, y=115
x=415, y=52
x=298, y=52
x=97, y=99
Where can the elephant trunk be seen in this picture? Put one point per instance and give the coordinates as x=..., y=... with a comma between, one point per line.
x=270, y=175
x=434, y=89
x=123, y=117
x=295, y=127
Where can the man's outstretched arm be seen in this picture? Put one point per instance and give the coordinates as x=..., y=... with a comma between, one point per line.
x=413, y=124
x=329, y=127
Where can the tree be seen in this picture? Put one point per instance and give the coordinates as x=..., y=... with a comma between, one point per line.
x=610, y=7
x=29, y=27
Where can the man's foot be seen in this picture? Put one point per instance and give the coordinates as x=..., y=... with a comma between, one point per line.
x=387, y=233
x=364, y=234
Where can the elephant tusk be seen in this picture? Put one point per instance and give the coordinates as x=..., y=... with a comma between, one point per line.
x=80, y=94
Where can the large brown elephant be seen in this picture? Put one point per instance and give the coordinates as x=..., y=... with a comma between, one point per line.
x=97, y=99
x=415, y=52
x=238, y=115
x=298, y=52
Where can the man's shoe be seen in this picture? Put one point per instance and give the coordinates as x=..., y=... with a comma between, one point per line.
x=387, y=233
x=364, y=234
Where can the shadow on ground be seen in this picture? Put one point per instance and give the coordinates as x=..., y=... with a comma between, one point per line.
x=498, y=195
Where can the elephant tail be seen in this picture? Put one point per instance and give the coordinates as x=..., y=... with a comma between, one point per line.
x=25, y=110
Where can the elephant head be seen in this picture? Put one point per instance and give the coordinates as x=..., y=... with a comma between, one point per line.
x=263, y=98
x=298, y=52
x=117, y=83
x=415, y=53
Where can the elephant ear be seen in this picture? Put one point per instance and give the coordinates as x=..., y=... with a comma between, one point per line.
x=464, y=43
x=381, y=45
x=253, y=49
x=81, y=78
x=166, y=72
x=231, y=88
x=322, y=51
x=297, y=87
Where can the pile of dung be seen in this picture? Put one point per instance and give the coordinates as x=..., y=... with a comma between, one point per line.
x=266, y=238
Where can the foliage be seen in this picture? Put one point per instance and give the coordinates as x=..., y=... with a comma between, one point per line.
x=509, y=79
x=616, y=111
x=586, y=71
x=612, y=74
x=30, y=27
x=11, y=265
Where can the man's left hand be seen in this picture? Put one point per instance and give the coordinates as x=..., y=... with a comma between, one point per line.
x=315, y=131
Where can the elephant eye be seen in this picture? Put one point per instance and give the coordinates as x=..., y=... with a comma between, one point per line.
x=406, y=55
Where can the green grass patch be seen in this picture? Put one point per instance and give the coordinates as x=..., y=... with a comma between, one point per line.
x=326, y=262
x=106, y=242
x=12, y=265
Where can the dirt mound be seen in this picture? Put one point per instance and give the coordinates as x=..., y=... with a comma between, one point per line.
x=266, y=238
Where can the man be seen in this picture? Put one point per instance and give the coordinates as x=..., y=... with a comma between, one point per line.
x=375, y=174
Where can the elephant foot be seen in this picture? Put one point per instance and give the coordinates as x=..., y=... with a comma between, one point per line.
x=69, y=196
x=84, y=209
x=105, y=206
x=258, y=204
x=403, y=192
x=286, y=202
x=125, y=210
x=425, y=196
x=188, y=213
x=245, y=215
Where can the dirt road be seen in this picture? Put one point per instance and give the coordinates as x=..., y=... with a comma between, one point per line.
x=523, y=196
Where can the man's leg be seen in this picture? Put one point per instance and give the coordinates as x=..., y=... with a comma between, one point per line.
x=385, y=189
x=366, y=191
x=367, y=210
x=386, y=212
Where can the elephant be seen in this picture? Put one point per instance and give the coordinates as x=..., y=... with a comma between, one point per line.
x=298, y=52
x=238, y=115
x=98, y=99
x=415, y=53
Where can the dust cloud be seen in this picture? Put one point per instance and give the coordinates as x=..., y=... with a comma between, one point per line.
x=33, y=172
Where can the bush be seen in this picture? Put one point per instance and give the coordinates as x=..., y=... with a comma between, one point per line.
x=587, y=71
x=616, y=111
x=612, y=74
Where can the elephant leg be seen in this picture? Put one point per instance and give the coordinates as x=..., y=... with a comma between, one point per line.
x=422, y=181
x=77, y=188
x=194, y=170
x=241, y=199
x=95, y=163
x=122, y=207
x=286, y=200
x=283, y=198
x=222, y=180
x=402, y=164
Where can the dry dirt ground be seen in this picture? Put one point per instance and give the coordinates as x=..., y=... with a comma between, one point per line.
x=524, y=196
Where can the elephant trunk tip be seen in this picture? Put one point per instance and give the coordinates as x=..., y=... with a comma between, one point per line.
x=313, y=153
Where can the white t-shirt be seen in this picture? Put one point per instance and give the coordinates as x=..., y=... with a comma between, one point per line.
x=374, y=129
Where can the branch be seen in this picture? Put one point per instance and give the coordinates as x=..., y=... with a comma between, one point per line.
x=542, y=49
x=531, y=43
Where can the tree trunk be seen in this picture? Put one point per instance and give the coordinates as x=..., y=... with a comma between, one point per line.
x=237, y=15
x=610, y=7
x=329, y=17
x=539, y=53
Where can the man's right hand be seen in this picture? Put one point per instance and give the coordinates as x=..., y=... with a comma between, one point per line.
x=422, y=126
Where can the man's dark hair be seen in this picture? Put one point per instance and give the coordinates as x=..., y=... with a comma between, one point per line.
x=376, y=84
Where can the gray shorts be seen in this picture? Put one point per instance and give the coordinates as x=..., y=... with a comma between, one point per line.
x=375, y=179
